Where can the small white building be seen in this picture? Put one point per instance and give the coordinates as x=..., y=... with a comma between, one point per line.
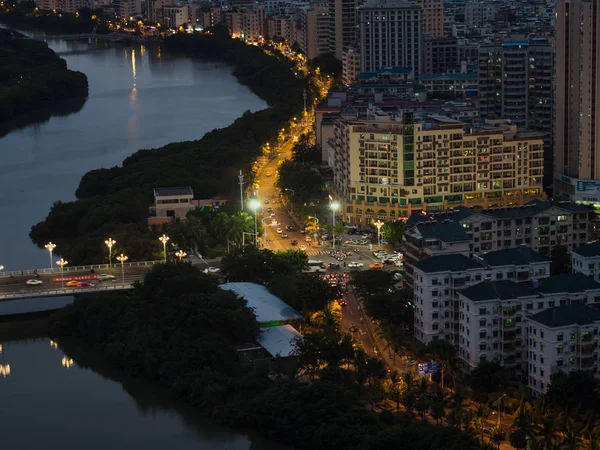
x=586, y=260
x=518, y=264
x=565, y=339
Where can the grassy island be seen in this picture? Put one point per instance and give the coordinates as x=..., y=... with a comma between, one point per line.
x=179, y=330
x=33, y=77
x=114, y=201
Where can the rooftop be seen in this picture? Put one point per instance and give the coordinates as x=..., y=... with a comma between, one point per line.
x=519, y=256
x=563, y=316
x=446, y=231
x=278, y=341
x=587, y=250
x=173, y=191
x=267, y=307
x=566, y=282
x=497, y=290
x=445, y=263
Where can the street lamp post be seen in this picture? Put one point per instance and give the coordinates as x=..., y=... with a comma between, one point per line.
x=62, y=263
x=122, y=258
x=291, y=203
x=379, y=224
x=254, y=205
x=164, y=239
x=499, y=400
x=110, y=242
x=50, y=247
x=334, y=207
x=181, y=254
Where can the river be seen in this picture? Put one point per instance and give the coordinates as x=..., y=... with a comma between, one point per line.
x=139, y=98
x=49, y=401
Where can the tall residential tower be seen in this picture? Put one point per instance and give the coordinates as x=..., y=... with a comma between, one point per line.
x=577, y=104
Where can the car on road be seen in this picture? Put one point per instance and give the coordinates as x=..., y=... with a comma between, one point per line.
x=355, y=264
x=33, y=282
x=375, y=266
x=294, y=242
x=353, y=328
x=303, y=247
x=279, y=231
x=333, y=266
x=284, y=235
x=105, y=277
x=213, y=270
x=342, y=301
x=268, y=174
x=289, y=228
x=79, y=284
x=269, y=210
x=308, y=239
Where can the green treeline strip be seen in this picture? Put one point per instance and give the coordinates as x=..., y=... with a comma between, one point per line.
x=33, y=77
x=115, y=201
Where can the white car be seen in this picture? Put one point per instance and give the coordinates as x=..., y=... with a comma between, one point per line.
x=279, y=230
x=355, y=264
x=105, y=277
x=33, y=282
x=303, y=247
x=213, y=270
x=308, y=239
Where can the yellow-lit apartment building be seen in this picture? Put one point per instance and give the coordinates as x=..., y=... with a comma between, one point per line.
x=385, y=167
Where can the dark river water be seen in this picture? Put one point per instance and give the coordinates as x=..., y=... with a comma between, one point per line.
x=49, y=402
x=139, y=98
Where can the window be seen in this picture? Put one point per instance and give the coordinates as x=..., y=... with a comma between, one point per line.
x=542, y=347
x=560, y=337
x=562, y=218
x=559, y=362
x=434, y=293
x=482, y=311
x=529, y=305
x=482, y=322
x=541, y=333
x=482, y=334
x=483, y=346
x=559, y=350
x=540, y=305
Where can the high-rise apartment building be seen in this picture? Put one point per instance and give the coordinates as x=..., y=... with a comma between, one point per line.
x=386, y=166
x=315, y=30
x=390, y=36
x=515, y=82
x=577, y=112
x=439, y=54
x=432, y=18
x=342, y=25
x=350, y=64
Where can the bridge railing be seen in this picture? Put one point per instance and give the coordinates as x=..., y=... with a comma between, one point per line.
x=24, y=293
x=70, y=269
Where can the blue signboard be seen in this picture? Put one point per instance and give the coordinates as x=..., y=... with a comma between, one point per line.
x=428, y=368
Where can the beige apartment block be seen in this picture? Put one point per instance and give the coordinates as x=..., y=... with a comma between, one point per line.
x=386, y=167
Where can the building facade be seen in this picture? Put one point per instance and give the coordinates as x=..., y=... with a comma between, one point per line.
x=386, y=167
x=577, y=153
x=390, y=36
x=315, y=30
x=342, y=25
x=432, y=18
x=439, y=54
x=350, y=64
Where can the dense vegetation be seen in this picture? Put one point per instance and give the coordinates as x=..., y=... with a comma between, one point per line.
x=179, y=330
x=115, y=201
x=27, y=15
x=32, y=77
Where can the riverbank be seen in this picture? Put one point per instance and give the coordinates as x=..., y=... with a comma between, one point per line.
x=114, y=202
x=33, y=77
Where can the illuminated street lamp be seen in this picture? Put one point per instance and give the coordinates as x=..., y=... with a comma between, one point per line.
x=110, y=242
x=122, y=258
x=62, y=263
x=335, y=205
x=181, y=254
x=50, y=247
x=66, y=362
x=164, y=239
x=379, y=224
x=254, y=205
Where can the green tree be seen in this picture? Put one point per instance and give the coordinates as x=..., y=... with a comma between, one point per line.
x=437, y=406
x=303, y=292
x=253, y=264
x=497, y=435
x=393, y=231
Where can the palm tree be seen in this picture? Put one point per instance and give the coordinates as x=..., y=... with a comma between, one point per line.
x=240, y=223
x=571, y=439
x=220, y=225
x=347, y=350
x=591, y=430
x=457, y=415
x=523, y=425
x=437, y=406
x=547, y=433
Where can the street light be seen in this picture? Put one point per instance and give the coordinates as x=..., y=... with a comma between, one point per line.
x=291, y=203
x=379, y=224
x=50, y=247
x=254, y=205
x=164, y=239
x=62, y=263
x=335, y=205
x=499, y=400
x=181, y=254
x=122, y=258
x=110, y=242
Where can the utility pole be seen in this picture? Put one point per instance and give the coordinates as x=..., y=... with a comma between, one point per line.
x=241, y=178
x=304, y=95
